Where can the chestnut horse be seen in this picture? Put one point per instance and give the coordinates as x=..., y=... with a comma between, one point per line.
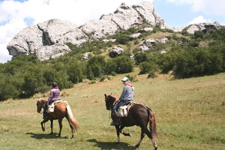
x=61, y=110
x=139, y=115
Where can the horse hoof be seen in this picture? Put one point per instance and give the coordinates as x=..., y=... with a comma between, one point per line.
x=137, y=145
x=156, y=148
x=43, y=129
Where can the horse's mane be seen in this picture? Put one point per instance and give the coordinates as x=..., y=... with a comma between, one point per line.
x=112, y=97
x=42, y=101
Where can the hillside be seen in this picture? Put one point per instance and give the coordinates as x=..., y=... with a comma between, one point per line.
x=189, y=115
x=154, y=51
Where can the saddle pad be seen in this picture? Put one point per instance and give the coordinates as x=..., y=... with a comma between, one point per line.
x=52, y=106
x=124, y=110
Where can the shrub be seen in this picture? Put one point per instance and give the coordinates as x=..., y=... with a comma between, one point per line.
x=123, y=64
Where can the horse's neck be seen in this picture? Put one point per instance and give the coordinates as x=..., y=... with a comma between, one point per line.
x=113, y=99
x=43, y=102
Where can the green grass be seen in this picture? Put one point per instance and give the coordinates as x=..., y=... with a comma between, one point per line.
x=190, y=115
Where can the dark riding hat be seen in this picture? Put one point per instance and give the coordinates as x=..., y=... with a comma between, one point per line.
x=54, y=84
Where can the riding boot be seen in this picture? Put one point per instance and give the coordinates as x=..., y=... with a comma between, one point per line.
x=115, y=120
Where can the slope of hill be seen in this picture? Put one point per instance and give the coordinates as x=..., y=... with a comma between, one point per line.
x=189, y=115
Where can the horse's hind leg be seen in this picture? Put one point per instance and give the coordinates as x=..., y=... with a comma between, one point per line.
x=60, y=127
x=151, y=137
x=142, y=136
x=72, y=128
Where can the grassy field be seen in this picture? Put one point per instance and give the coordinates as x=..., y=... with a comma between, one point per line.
x=190, y=115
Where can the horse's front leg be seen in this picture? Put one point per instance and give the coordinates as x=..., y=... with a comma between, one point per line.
x=51, y=127
x=42, y=126
x=118, y=133
x=60, y=127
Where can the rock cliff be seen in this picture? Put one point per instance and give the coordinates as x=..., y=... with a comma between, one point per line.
x=47, y=40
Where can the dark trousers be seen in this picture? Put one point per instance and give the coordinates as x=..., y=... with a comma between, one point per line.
x=120, y=103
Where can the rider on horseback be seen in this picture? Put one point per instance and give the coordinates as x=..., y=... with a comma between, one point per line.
x=126, y=97
x=53, y=96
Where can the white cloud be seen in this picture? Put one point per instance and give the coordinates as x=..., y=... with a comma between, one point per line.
x=199, y=19
x=212, y=7
x=13, y=14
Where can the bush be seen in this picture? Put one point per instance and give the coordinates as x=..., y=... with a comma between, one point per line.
x=140, y=57
x=152, y=74
x=123, y=64
x=96, y=66
x=145, y=67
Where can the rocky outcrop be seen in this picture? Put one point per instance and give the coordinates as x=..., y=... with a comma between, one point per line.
x=26, y=42
x=46, y=40
x=116, y=51
x=51, y=35
x=52, y=51
x=205, y=27
x=147, y=44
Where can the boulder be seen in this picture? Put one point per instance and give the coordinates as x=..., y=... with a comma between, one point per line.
x=52, y=51
x=85, y=57
x=58, y=31
x=117, y=50
x=205, y=27
x=146, y=29
x=108, y=40
x=126, y=17
x=145, y=45
x=26, y=41
x=134, y=36
x=97, y=29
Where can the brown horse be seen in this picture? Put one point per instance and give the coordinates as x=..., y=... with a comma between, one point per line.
x=139, y=115
x=61, y=110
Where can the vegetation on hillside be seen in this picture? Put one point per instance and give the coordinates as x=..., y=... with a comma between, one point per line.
x=187, y=56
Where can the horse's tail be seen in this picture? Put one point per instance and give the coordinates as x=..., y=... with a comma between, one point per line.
x=71, y=118
x=152, y=122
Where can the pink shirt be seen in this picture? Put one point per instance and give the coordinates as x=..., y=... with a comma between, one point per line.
x=54, y=95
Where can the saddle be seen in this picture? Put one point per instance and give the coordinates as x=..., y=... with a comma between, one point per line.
x=124, y=110
x=51, y=107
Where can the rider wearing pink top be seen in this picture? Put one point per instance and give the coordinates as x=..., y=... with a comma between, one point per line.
x=53, y=96
x=54, y=93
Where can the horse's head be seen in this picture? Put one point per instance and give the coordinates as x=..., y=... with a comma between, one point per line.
x=109, y=100
x=40, y=105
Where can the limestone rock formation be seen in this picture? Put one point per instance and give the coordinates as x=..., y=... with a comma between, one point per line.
x=47, y=40
x=191, y=29
x=117, y=50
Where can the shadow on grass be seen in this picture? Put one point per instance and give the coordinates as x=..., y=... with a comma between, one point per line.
x=111, y=145
x=45, y=136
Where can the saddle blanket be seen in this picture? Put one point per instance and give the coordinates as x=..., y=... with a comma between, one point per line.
x=51, y=107
x=123, y=110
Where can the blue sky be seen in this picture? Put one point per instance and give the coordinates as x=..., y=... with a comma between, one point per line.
x=15, y=15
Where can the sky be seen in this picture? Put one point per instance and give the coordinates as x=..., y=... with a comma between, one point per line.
x=15, y=15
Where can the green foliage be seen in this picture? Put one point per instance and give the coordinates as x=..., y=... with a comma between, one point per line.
x=123, y=64
x=96, y=66
x=140, y=57
x=152, y=74
x=146, y=67
x=24, y=76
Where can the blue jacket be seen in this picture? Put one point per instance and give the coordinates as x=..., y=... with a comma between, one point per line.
x=128, y=93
